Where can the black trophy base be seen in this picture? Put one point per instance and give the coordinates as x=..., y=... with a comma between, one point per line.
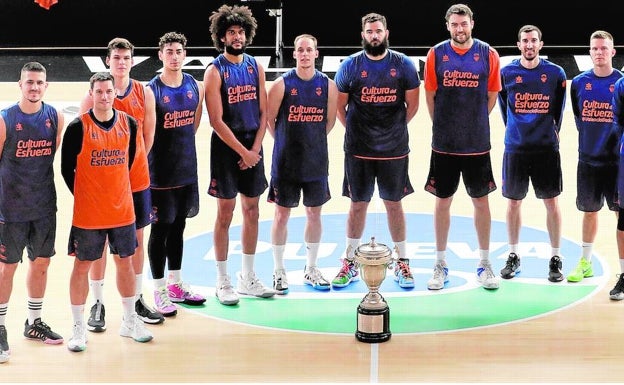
x=373, y=325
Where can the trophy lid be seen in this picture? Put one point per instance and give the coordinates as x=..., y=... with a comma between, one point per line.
x=373, y=253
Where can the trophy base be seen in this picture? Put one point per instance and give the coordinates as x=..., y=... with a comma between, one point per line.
x=373, y=325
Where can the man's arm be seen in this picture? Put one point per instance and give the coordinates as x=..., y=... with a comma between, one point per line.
x=274, y=101
x=72, y=144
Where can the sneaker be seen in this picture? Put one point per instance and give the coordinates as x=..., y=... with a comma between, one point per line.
x=583, y=270
x=403, y=274
x=486, y=277
x=147, y=314
x=39, y=330
x=312, y=276
x=348, y=273
x=96, y=322
x=617, y=293
x=5, y=352
x=512, y=266
x=440, y=277
x=554, y=269
x=135, y=329
x=78, y=340
x=280, y=281
x=163, y=303
x=182, y=293
x=251, y=285
x=225, y=292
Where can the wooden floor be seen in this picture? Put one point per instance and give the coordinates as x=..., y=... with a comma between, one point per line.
x=581, y=343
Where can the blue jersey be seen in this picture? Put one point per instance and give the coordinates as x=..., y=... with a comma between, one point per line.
x=376, y=124
x=592, y=104
x=27, y=190
x=461, y=123
x=240, y=86
x=173, y=158
x=300, y=147
x=532, y=102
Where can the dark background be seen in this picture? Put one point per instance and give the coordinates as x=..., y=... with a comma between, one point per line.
x=74, y=24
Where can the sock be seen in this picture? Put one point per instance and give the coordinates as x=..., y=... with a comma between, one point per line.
x=312, y=253
x=400, y=249
x=622, y=265
x=513, y=249
x=97, y=288
x=78, y=314
x=556, y=251
x=128, y=307
x=484, y=255
x=352, y=244
x=441, y=256
x=160, y=283
x=248, y=263
x=3, y=311
x=221, y=269
x=587, y=251
x=34, y=309
x=175, y=276
x=138, y=278
x=278, y=256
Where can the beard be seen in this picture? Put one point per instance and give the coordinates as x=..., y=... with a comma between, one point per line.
x=234, y=51
x=375, y=50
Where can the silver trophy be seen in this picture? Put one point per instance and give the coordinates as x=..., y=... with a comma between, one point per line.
x=373, y=313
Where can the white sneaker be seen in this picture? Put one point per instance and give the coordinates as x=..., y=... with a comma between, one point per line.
x=78, y=340
x=486, y=276
x=135, y=329
x=5, y=352
x=251, y=285
x=440, y=276
x=312, y=276
x=280, y=281
x=225, y=292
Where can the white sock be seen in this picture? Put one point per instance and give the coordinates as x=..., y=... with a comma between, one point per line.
x=221, y=269
x=441, y=256
x=278, y=256
x=484, y=255
x=128, y=307
x=78, y=314
x=400, y=248
x=138, y=282
x=175, y=276
x=34, y=309
x=97, y=288
x=587, y=251
x=354, y=243
x=248, y=264
x=312, y=253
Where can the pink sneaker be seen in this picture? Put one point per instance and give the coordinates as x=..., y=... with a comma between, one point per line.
x=181, y=292
x=163, y=303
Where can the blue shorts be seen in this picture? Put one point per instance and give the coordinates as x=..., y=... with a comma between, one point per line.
x=543, y=169
x=391, y=174
x=445, y=170
x=595, y=185
x=143, y=209
x=287, y=193
x=227, y=180
x=37, y=237
x=88, y=245
x=169, y=204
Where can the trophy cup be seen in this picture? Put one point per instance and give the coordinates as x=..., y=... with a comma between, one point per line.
x=373, y=313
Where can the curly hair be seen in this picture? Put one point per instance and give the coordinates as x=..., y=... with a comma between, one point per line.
x=227, y=16
x=172, y=37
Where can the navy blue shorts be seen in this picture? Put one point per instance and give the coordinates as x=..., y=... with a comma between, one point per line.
x=287, y=193
x=143, y=209
x=88, y=245
x=543, y=169
x=595, y=185
x=37, y=237
x=391, y=174
x=169, y=204
x=445, y=170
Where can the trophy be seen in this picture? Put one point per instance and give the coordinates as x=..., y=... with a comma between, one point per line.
x=373, y=313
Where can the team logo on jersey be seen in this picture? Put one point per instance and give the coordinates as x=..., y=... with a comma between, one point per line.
x=250, y=69
x=476, y=57
x=294, y=92
x=189, y=94
x=319, y=91
x=611, y=88
x=19, y=127
x=588, y=87
x=364, y=74
x=393, y=72
x=166, y=99
x=544, y=78
x=519, y=79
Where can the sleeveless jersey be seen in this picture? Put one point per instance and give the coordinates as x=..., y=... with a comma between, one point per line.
x=173, y=158
x=27, y=190
x=102, y=193
x=461, y=122
x=240, y=85
x=592, y=105
x=133, y=103
x=376, y=124
x=300, y=146
x=531, y=103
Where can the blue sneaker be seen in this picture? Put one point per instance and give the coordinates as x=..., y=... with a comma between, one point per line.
x=440, y=277
x=348, y=273
x=312, y=276
x=403, y=274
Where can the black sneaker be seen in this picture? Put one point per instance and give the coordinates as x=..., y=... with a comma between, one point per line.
x=5, y=352
x=512, y=266
x=554, y=269
x=146, y=314
x=96, y=322
x=618, y=291
x=40, y=331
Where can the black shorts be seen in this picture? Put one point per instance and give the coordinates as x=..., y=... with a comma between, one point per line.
x=37, y=237
x=227, y=180
x=391, y=174
x=169, y=204
x=445, y=170
x=595, y=185
x=288, y=193
x=88, y=245
x=543, y=169
x=143, y=209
